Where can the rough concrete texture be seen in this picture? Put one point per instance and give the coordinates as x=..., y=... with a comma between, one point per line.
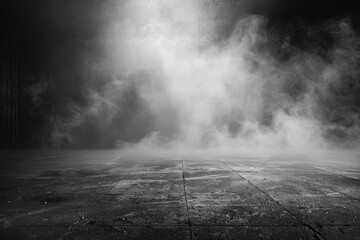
x=112, y=194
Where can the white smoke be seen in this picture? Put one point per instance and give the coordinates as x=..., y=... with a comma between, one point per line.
x=198, y=82
x=220, y=91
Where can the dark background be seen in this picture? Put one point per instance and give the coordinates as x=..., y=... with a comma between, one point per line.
x=49, y=39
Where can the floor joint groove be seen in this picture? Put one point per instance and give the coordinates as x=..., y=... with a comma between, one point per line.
x=96, y=203
x=186, y=200
x=316, y=233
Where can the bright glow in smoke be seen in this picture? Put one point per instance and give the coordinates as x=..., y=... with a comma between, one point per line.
x=193, y=74
x=216, y=90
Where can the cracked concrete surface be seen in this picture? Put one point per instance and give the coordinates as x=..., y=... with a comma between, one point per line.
x=108, y=194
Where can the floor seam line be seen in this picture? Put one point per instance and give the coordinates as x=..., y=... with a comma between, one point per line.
x=344, y=194
x=186, y=225
x=315, y=232
x=349, y=196
x=96, y=203
x=334, y=173
x=186, y=200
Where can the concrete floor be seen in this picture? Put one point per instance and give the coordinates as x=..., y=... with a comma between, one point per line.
x=110, y=194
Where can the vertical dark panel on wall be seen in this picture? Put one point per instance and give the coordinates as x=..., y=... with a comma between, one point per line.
x=8, y=80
